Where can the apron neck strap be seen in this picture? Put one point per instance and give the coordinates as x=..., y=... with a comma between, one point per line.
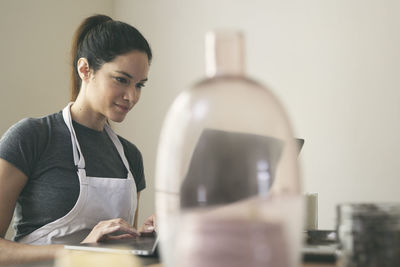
x=79, y=160
x=114, y=138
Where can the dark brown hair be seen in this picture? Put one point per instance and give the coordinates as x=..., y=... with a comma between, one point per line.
x=100, y=39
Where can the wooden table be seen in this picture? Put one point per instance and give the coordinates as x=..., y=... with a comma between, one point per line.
x=303, y=265
x=51, y=264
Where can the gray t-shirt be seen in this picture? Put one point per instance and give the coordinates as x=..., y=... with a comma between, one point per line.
x=41, y=148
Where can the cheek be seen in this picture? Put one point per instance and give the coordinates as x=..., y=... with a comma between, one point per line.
x=139, y=93
x=109, y=89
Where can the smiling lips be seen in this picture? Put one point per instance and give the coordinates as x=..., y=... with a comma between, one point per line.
x=124, y=108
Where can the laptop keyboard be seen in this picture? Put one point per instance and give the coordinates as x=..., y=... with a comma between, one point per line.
x=138, y=243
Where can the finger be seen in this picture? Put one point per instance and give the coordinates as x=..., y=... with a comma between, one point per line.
x=127, y=229
x=124, y=225
x=118, y=230
x=154, y=222
x=113, y=227
x=119, y=221
x=150, y=220
x=148, y=229
x=105, y=228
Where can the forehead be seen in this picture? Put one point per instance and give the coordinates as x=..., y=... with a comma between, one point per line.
x=134, y=63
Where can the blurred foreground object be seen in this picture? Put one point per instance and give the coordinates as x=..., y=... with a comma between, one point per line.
x=227, y=179
x=69, y=258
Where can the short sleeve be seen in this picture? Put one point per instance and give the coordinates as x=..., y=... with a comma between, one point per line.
x=19, y=145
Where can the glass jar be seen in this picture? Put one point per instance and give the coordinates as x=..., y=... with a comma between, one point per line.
x=227, y=180
x=369, y=235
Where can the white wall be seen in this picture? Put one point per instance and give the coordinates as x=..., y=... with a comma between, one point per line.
x=334, y=64
x=34, y=52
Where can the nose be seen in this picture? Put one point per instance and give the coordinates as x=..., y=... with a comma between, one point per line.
x=132, y=95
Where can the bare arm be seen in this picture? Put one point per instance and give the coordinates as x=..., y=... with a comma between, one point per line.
x=12, y=181
x=135, y=220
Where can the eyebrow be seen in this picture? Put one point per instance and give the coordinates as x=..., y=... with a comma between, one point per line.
x=130, y=76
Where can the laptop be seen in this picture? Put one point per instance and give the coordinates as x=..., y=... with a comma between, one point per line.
x=144, y=245
x=220, y=161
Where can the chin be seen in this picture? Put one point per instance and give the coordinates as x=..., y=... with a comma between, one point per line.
x=117, y=118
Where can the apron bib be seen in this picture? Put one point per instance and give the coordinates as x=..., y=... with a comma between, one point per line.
x=99, y=199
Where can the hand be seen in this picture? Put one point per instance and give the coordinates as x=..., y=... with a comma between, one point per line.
x=111, y=229
x=149, y=225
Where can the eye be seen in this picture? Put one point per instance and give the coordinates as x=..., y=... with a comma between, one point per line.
x=122, y=80
x=140, y=85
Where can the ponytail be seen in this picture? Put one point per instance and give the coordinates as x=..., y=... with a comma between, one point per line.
x=79, y=36
x=100, y=39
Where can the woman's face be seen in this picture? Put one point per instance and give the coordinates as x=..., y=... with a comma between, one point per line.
x=115, y=88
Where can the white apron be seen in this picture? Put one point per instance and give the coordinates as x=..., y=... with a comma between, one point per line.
x=99, y=199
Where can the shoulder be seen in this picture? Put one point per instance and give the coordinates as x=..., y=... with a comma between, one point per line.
x=32, y=126
x=23, y=143
x=25, y=127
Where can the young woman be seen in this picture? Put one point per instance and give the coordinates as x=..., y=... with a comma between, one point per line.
x=68, y=176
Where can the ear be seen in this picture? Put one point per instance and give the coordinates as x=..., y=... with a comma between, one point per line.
x=83, y=68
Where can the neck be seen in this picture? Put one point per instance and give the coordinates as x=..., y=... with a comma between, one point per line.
x=83, y=114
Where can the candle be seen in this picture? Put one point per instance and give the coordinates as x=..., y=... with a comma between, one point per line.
x=311, y=214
